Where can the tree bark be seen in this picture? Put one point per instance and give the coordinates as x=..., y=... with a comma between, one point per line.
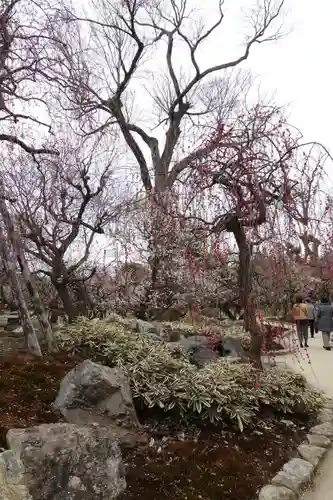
x=8, y=299
x=162, y=244
x=83, y=298
x=31, y=339
x=66, y=299
x=245, y=290
x=27, y=277
x=37, y=304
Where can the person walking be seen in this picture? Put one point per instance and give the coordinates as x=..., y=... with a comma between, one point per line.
x=311, y=316
x=324, y=321
x=300, y=316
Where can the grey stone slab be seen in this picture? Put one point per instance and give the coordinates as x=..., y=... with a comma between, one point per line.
x=294, y=475
x=324, y=429
x=312, y=454
x=316, y=440
x=272, y=492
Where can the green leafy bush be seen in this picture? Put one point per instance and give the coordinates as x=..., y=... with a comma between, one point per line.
x=162, y=376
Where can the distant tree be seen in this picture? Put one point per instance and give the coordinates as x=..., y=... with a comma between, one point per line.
x=308, y=208
x=61, y=204
x=17, y=244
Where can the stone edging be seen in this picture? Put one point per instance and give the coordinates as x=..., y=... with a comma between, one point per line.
x=290, y=481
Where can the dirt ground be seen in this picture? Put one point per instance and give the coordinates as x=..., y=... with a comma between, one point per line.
x=181, y=462
x=28, y=386
x=216, y=464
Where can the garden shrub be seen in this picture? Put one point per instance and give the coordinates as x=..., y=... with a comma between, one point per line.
x=162, y=376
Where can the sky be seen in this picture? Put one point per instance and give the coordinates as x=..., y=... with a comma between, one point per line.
x=299, y=68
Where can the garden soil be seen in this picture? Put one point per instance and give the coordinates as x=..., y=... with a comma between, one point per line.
x=189, y=463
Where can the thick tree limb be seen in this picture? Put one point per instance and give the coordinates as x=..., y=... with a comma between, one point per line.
x=29, y=149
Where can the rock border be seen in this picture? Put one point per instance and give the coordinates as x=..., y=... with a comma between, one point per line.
x=290, y=482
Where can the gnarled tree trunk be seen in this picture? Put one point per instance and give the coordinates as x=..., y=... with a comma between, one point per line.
x=85, y=303
x=245, y=290
x=31, y=339
x=66, y=299
x=27, y=277
x=37, y=304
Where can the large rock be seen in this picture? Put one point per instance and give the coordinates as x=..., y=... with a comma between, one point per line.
x=102, y=390
x=93, y=393
x=198, y=349
x=68, y=462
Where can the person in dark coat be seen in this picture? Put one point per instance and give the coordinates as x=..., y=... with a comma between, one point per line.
x=324, y=320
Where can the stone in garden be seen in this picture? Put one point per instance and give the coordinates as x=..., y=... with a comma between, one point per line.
x=173, y=332
x=325, y=429
x=311, y=454
x=198, y=350
x=149, y=329
x=201, y=350
x=321, y=441
x=271, y=492
x=93, y=386
x=93, y=393
x=294, y=475
x=141, y=326
x=68, y=462
x=233, y=347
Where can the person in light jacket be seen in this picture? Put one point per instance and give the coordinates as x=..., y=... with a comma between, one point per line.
x=324, y=321
x=311, y=316
x=300, y=316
